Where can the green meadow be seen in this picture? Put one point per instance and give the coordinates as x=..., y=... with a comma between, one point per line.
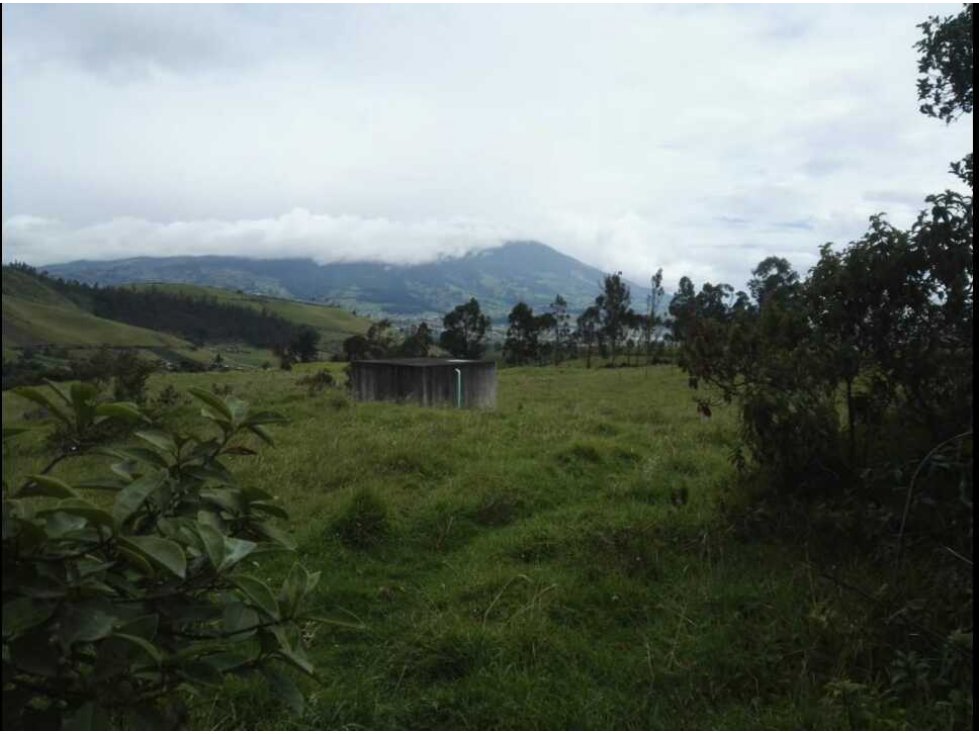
x=573, y=559
x=34, y=313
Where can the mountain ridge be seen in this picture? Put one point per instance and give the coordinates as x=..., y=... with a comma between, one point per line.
x=497, y=277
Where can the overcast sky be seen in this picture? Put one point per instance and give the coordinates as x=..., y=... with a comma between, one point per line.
x=698, y=139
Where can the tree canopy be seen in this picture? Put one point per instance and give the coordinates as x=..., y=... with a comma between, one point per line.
x=465, y=331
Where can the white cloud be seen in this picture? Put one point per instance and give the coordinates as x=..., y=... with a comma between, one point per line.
x=298, y=233
x=697, y=139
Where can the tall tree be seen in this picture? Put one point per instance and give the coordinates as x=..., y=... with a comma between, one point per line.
x=653, y=319
x=561, y=326
x=522, y=343
x=614, y=312
x=683, y=309
x=418, y=342
x=773, y=277
x=587, y=332
x=305, y=344
x=465, y=331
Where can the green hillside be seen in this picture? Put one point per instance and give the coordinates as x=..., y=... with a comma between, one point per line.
x=333, y=324
x=498, y=277
x=35, y=314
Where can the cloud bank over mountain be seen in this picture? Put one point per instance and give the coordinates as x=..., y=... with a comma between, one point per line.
x=697, y=139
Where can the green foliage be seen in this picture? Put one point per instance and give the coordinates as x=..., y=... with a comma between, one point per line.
x=129, y=376
x=380, y=341
x=653, y=321
x=614, y=314
x=946, y=65
x=886, y=321
x=418, y=342
x=301, y=347
x=589, y=332
x=851, y=384
x=115, y=611
x=523, y=338
x=560, y=322
x=304, y=344
x=465, y=331
x=316, y=382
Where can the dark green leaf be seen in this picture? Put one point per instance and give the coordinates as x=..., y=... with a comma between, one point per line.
x=145, y=626
x=269, y=509
x=83, y=509
x=238, y=409
x=145, y=645
x=275, y=535
x=235, y=550
x=23, y=613
x=262, y=434
x=213, y=542
x=254, y=494
x=161, y=439
x=110, y=483
x=238, y=617
x=297, y=659
x=285, y=688
x=239, y=451
x=259, y=594
x=293, y=589
x=42, y=485
x=82, y=396
x=125, y=411
x=129, y=500
x=85, y=623
x=264, y=417
x=213, y=401
x=201, y=672
x=216, y=473
x=59, y=391
x=137, y=560
x=38, y=397
x=58, y=524
x=312, y=579
x=226, y=499
x=163, y=552
x=227, y=661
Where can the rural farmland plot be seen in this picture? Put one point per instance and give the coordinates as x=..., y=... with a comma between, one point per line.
x=563, y=561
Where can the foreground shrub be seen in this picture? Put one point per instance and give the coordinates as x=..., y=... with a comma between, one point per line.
x=113, y=613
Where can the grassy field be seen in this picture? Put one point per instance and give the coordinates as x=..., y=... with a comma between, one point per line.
x=36, y=314
x=565, y=561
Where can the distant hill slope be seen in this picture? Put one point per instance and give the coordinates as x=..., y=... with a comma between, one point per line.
x=333, y=324
x=36, y=314
x=499, y=277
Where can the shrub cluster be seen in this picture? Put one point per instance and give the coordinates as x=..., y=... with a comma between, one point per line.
x=115, y=612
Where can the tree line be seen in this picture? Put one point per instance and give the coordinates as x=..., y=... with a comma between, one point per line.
x=609, y=327
x=197, y=318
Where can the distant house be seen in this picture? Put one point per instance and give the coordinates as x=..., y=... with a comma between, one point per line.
x=462, y=383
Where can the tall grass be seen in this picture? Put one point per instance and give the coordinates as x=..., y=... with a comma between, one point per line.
x=566, y=561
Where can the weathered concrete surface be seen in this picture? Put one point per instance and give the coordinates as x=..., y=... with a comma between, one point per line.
x=425, y=381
